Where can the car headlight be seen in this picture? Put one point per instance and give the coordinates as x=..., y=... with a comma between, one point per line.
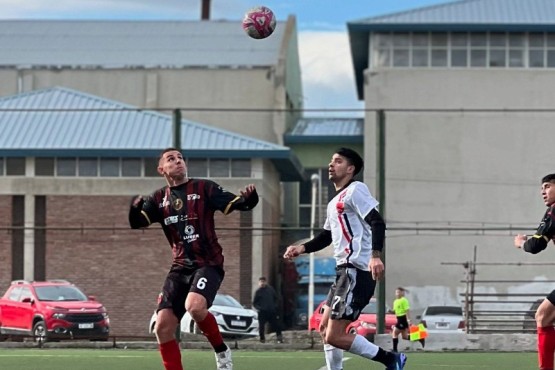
x=216, y=313
x=367, y=325
x=59, y=315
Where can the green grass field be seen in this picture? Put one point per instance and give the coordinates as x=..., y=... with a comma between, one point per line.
x=118, y=359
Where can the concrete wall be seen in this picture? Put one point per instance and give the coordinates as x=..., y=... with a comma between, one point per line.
x=460, y=169
x=203, y=93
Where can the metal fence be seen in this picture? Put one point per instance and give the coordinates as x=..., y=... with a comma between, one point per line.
x=501, y=311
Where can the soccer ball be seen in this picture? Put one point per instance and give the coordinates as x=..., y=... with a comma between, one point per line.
x=259, y=22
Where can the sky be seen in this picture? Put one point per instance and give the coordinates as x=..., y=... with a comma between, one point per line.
x=324, y=51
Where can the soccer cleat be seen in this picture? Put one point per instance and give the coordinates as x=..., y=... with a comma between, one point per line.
x=400, y=361
x=223, y=360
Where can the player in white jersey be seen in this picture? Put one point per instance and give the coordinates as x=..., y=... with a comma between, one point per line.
x=356, y=230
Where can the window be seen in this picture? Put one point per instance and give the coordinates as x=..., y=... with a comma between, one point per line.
x=240, y=168
x=198, y=167
x=219, y=168
x=88, y=167
x=464, y=49
x=131, y=167
x=1, y=166
x=109, y=167
x=15, y=166
x=151, y=167
x=44, y=166
x=66, y=166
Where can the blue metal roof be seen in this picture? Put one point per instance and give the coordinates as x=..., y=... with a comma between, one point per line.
x=326, y=130
x=463, y=15
x=61, y=122
x=472, y=12
x=119, y=44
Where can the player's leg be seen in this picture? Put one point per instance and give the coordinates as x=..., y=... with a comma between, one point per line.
x=545, y=316
x=204, y=286
x=170, y=311
x=333, y=355
x=354, y=288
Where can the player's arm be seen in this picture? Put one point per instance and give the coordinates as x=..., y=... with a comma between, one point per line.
x=139, y=213
x=538, y=242
x=377, y=224
x=535, y=244
x=320, y=241
x=228, y=202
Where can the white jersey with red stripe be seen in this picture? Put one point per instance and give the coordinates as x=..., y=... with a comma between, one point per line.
x=351, y=235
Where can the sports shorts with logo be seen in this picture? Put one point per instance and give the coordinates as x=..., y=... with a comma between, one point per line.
x=205, y=281
x=350, y=293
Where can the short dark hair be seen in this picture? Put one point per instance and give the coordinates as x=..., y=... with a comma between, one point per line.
x=262, y=278
x=167, y=150
x=548, y=178
x=353, y=157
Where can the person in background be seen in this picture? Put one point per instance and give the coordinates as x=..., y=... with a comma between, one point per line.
x=266, y=302
x=401, y=309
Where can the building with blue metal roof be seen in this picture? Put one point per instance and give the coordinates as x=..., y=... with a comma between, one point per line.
x=69, y=163
x=459, y=101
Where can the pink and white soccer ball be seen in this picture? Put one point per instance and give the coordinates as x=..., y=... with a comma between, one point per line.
x=259, y=22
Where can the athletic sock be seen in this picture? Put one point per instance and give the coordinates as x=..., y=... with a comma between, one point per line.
x=171, y=355
x=369, y=350
x=395, y=344
x=334, y=357
x=209, y=328
x=546, y=347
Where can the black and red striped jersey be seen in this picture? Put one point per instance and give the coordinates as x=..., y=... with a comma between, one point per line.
x=186, y=213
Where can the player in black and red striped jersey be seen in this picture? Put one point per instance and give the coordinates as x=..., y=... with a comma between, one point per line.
x=545, y=315
x=185, y=208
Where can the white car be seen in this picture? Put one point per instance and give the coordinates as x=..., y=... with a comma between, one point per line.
x=233, y=319
x=443, y=319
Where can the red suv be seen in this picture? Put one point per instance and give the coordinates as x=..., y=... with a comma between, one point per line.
x=51, y=310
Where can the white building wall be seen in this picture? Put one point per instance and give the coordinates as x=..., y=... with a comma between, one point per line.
x=461, y=169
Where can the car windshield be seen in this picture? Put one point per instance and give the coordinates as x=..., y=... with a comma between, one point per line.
x=371, y=307
x=226, y=300
x=444, y=310
x=59, y=293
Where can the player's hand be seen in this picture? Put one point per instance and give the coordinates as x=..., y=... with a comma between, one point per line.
x=249, y=189
x=376, y=268
x=293, y=251
x=520, y=239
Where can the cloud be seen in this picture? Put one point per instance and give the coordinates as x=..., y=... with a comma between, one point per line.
x=327, y=72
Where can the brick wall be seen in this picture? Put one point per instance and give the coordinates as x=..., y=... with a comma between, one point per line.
x=123, y=268
x=5, y=242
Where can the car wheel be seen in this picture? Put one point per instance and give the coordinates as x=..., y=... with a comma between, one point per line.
x=39, y=332
x=352, y=331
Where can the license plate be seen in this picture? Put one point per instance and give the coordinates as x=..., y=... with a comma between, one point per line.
x=238, y=323
x=86, y=326
x=441, y=325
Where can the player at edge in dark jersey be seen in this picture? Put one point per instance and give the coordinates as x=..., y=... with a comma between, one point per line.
x=185, y=208
x=545, y=315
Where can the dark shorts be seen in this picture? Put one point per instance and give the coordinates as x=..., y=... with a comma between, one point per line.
x=402, y=323
x=205, y=281
x=350, y=292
